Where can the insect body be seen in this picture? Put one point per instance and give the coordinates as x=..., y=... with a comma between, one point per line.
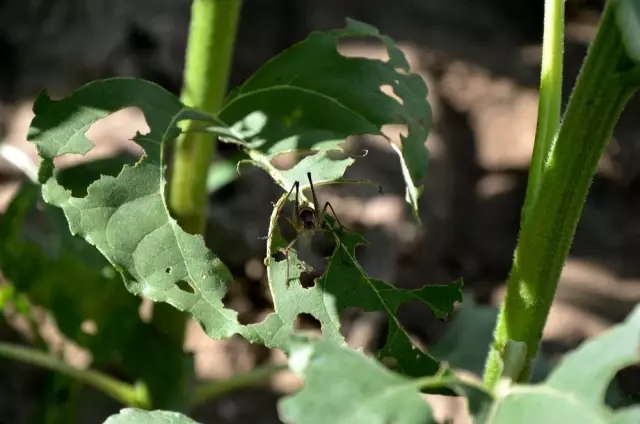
x=307, y=219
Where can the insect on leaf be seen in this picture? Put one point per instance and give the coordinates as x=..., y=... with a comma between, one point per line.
x=345, y=284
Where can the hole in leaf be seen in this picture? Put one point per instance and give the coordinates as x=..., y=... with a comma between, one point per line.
x=624, y=389
x=368, y=47
x=112, y=149
x=307, y=278
x=185, y=286
x=388, y=90
x=394, y=132
x=168, y=270
x=306, y=322
x=278, y=256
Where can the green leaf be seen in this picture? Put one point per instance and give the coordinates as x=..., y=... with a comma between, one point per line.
x=628, y=15
x=310, y=97
x=574, y=392
x=153, y=254
x=77, y=285
x=125, y=216
x=529, y=405
x=342, y=385
x=140, y=416
x=588, y=370
x=345, y=386
x=466, y=341
x=345, y=284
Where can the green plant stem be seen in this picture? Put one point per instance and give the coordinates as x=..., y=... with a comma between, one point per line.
x=208, y=391
x=212, y=34
x=134, y=396
x=208, y=61
x=550, y=100
x=545, y=239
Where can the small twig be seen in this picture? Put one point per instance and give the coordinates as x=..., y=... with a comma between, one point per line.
x=130, y=395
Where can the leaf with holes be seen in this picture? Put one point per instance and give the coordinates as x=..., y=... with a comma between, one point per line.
x=575, y=390
x=125, y=216
x=79, y=288
x=153, y=254
x=345, y=284
x=310, y=97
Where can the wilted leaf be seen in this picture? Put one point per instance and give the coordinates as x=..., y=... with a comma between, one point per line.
x=140, y=416
x=312, y=97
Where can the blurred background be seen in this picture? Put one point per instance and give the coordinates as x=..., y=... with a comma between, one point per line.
x=480, y=60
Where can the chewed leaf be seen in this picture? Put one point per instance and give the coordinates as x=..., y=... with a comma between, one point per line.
x=310, y=97
x=125, y=216
x=588, y=370
x=345, y=284
x=575, y=390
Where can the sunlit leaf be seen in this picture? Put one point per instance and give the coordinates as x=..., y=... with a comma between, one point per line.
x=342, y=385
x=575, y=390
x=310, y=97
x=588, y=370
x=345, y=284
x=140, y=416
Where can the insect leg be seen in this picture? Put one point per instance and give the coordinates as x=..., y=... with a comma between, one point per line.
x=335, y=215
x=316, y=205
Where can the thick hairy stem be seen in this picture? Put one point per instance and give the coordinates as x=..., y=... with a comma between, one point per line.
x=546, y=236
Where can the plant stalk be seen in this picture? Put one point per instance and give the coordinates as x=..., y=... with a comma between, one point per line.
x=208, y=62
x=550, y=99
x=209, y=53
x=133, y=396
x=595, y=105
